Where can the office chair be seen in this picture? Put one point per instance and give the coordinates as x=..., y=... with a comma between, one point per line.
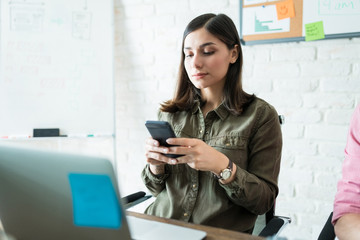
x=327, y=233
x=270, y=225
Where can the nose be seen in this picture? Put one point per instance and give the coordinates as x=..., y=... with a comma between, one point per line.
x=196, y=61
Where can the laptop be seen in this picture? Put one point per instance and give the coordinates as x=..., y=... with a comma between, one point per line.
x=52, y=195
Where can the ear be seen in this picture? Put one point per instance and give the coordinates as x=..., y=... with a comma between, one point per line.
x=234, y=52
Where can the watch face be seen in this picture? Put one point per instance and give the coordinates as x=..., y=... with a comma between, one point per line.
x=225, y=174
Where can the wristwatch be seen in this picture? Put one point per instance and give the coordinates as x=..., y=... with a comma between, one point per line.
x=225, y=174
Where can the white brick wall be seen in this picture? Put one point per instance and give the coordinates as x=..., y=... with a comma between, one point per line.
x=315, y=85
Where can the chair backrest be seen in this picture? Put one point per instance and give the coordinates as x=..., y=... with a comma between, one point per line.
x=328, y=232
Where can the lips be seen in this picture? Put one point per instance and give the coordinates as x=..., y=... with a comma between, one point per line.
x=199, y=75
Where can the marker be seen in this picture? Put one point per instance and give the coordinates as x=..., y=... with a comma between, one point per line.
x=19, y=137
x=4, y=137
x=77, y=135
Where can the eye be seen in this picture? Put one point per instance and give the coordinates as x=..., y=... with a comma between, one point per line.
x=208, y=52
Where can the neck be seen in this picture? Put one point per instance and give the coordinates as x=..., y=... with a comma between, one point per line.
x=211, y=98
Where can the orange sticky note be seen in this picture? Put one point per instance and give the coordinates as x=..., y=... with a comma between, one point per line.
x=285, y=9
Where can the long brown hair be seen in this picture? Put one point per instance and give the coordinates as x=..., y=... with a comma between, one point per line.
x=235, y=98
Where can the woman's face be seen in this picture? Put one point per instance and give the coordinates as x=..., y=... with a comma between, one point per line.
x=207, y=59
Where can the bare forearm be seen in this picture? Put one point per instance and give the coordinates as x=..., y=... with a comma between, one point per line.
x=348, y=227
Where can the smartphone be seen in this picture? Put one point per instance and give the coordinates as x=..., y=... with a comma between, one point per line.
x=160, y=131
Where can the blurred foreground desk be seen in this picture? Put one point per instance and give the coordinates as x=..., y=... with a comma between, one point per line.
x=212, y=232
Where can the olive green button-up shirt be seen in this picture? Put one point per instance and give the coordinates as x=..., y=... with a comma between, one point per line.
x=252, y=140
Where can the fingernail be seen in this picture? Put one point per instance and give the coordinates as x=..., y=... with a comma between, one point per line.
x=168, y=140
x=173, y=161
x=165, y=150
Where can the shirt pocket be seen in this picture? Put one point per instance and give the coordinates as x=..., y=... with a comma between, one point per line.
x=234, y=147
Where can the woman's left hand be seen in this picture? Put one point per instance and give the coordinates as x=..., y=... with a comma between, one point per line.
x=198, y=154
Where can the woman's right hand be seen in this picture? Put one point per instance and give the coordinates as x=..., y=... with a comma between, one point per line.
x=154, y=156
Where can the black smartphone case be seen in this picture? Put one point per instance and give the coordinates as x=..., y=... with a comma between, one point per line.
x=161, y=130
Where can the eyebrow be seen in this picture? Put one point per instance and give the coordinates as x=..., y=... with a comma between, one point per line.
x=201, y=46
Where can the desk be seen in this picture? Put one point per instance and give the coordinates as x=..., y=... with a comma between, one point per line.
x=212, y=233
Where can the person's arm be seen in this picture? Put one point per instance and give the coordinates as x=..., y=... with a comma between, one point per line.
x=347, y=198
x=347, y=227
x=256, y=188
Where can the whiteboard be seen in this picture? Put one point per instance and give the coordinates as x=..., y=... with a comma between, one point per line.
x=260, y=23
x=56, y=66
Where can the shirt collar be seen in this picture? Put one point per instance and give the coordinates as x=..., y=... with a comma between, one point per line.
x=221, y=110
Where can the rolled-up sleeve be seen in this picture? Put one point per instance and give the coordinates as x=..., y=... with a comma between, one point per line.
x=155, y=184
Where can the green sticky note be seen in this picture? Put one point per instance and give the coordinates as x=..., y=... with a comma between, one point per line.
x=314, y=31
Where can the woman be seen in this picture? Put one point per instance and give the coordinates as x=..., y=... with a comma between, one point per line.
x=231, y=141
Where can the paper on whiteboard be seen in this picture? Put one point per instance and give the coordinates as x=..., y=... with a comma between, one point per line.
x=262, y=20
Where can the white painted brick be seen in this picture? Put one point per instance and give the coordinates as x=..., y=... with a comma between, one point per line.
x=287, y=159
x=295, y=176
x=287, y=100
x=356, y=70
x=135, y=86
x=325, y=68
x=292, y=130
x=348, y=51
x=130, y=98
x=275, y=69
x=118, y=3
x=326, y=179
x=155, y=22
x=128, y=24
x=315, y=192
x=331, y=149
x=248, y=54
x=126, y=50
x=338, y=116
x=328, y=100
x=171, y=7
x=296, y=84
x=247, y=71
x=210, y=6
x=261, y=55
x=295, y=232
x=292, y=53
x=139, y=11
x=285, y=189
x=301, y=147
x=326, y=132
x=340, y=84
x=137, y=36
x=254, y=85
x=305, y=206
x=302, y=116
x=317, y=163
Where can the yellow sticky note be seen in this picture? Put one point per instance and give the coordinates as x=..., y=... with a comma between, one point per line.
x=285, y=9
x=314, y=31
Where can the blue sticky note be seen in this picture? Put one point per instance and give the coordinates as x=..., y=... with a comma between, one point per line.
x=94, y=201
